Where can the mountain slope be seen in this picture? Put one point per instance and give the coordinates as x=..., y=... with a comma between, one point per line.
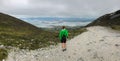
x=110, y=20
x=12, y=22
x=17, y=33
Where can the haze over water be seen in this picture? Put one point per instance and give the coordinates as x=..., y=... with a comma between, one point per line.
x=48, y=22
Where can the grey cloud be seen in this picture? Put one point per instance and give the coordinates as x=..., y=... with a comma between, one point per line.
x=75, y=8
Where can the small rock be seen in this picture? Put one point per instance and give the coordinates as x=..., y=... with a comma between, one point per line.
x=89, y=50
x=118, y=36
x=46, y=56
x=2, y=46
x=101, y=40
x=87, y=44
x=95, y=55
x=3, y=60
x=117, y=45
x=80, y=59
x=68, y=56
x=112, y=53
x=74, y=53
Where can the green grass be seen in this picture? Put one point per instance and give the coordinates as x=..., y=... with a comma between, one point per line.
x=116, y=27
x=17, y=33
x=31, y=41
x=24, y=40
x=3, y=54
x=75, y=32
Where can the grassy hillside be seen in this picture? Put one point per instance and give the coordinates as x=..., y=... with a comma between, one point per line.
x=17, y=33
x=110, y=20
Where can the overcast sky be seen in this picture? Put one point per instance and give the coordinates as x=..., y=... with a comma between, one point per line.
x=59, y=8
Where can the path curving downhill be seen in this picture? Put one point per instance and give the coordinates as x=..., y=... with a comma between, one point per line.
x=97, y=44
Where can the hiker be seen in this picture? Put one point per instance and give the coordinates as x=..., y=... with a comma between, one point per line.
x=63, y=37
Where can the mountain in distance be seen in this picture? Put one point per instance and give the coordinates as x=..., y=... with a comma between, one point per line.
x=110, y=20
x=58, y=19
x=51, y=22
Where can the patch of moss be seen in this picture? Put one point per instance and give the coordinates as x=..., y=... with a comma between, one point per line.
x=116, y=27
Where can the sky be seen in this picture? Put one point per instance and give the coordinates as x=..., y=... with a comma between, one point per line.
x=59, y=8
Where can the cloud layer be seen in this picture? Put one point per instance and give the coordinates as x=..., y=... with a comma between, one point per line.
x=52, y=23
x=59, y=8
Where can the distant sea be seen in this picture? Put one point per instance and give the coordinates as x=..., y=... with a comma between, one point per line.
x=49, y=22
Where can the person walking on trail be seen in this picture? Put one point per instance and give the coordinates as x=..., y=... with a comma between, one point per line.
x=63, y=37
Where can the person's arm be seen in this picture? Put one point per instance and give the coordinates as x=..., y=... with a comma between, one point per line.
x=67, y=33
x=60, y=35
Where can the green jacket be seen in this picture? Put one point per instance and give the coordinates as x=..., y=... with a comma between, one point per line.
x=63, y=32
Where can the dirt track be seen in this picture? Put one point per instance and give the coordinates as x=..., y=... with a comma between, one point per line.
x=97, y=44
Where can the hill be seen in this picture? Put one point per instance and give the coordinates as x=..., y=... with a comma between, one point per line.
x=110, y=20
x=17, y=33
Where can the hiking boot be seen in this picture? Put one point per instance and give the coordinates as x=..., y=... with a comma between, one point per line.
x=64, y=49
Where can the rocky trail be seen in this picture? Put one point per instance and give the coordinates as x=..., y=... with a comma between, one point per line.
x=97, y=44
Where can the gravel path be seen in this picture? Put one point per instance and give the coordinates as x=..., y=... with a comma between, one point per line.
x=97, y=44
